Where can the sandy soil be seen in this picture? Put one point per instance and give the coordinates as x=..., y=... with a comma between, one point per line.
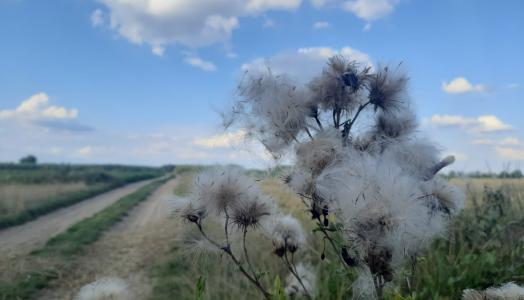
x=22, y=239
x=126, y=251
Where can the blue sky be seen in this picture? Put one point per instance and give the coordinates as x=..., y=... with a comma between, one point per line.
x=140, y=81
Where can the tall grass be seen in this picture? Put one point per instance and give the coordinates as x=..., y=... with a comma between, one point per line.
x=15, y=198
x=27, y=192
x=485, y=247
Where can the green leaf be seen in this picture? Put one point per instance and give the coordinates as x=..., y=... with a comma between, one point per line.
x=278, y=292
x=200, y=288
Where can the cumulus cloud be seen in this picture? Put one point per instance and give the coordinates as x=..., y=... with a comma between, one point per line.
x=37, y=107
x=37, y=110
x=461, y=85
x=510, y=153
x=370, y=10
x=485, y=123
x=303, y=63
x=321, y=25
x=225, y=140
x=200, y=63
x=508, y=141
x=85, y=151
x=97, y=18
x=159, y=23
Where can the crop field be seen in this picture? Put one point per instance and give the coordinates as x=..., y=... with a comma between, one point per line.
x=27, y=192
x=136, y=238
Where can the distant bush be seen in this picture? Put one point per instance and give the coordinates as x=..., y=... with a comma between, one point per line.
x=28, y=160
x=477, y=174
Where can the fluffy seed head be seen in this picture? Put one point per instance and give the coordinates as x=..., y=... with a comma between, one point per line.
x=508, y=291
x=308, y=278
x=386, y=88
x=251, y=211
x=105, y=289
x=287, y=234
x=395, y=124
x=450, y=199
x=188, y=210
x=313, y=156
x=338, y=85
x=272, y=109
x=220, y=189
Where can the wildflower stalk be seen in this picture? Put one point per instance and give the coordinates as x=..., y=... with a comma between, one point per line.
x=350, y=122
x=319, y=123
x=227, y=250
x=247, y=255
x=331, y=241
x=293, y=270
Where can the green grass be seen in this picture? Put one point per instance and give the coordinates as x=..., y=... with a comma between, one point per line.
x=26, y=287
x=100, y=179
x=89, y=230
x=58, y=173
x=73, y=240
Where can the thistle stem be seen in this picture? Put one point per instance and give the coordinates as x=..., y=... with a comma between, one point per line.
x=228, y=251
x=331, y=241
x=318, y=123
x=247, y=256
x=294, y=272
x=352, y=121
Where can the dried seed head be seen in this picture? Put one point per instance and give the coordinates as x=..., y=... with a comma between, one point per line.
x=250, y=212
x=222, y=188
x=337, y=86
x=386, y=88
x=287, y=234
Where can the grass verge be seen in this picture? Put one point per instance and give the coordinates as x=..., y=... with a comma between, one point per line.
x=74, y=240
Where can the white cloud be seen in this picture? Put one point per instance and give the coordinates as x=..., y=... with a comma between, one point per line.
x=319, y=3
x=201, y=64
x=85, y=151
x=304, y=63
x=158, y=50
x=486, y=123
x=370, y=10
x=461, y=85
x=321, y=25
x=510, y=153
x=225, y=140
x=268, y=23
x=37, y=107
x=97, y=18
x=159, y=23
x=508, y=141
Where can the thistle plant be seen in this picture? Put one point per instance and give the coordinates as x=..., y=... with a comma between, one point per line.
x=364, y=175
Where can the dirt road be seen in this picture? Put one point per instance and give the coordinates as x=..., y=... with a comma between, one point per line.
x=126, y=251
x=22, y=239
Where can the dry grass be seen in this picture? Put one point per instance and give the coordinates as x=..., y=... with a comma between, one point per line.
x=15, y=198
x=475, y=187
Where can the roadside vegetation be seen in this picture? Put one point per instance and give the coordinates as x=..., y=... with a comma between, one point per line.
x=484, y=248
x=65, y=246
x=28, y=191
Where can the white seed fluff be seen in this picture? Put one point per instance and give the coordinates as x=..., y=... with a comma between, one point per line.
x=308, y=278
x=105, y=289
